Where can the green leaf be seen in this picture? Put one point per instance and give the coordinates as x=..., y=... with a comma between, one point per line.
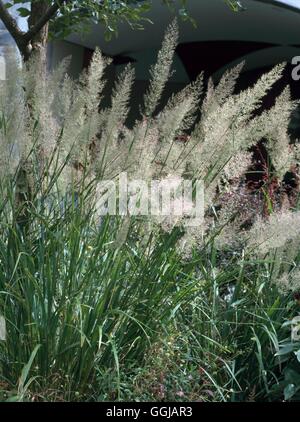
x=27, y=367
x=23, y=12
x=286, y=349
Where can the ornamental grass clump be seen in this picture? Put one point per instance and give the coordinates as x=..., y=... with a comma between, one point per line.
x=82, y=292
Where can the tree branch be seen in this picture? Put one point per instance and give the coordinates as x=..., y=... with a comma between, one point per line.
x=10, y=23
x=32, y=32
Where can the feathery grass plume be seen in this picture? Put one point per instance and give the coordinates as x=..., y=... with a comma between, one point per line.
x=115, y=117
x=216, y=96
x=93, y=81
x=154, y=144
x=82, y=122
x=250, y=99
x=273, y=233
x=170, y=125
x=289, y=282
x=194, y=91
x=224, y=132
x=74, y=124
x=273, y=126
x=14, y=136
x=46, y=126
x=120, y=101
x=161, y=71
x=237, y=210
x=285, y=258
x=227, y=84
x=64, y=96
x=177, y=117
x=220, y=129
x=47, y=90
x=142, y=151
x=209, y=99
x=278, y=145
x=237, y=166
x=65, y=99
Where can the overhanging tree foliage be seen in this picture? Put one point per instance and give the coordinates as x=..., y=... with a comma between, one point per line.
x=58, y=18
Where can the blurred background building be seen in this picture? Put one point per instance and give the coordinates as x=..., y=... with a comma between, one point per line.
x=263, y=33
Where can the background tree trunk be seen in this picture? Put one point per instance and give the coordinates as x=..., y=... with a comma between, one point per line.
x=35, y=49
x=38, y=47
